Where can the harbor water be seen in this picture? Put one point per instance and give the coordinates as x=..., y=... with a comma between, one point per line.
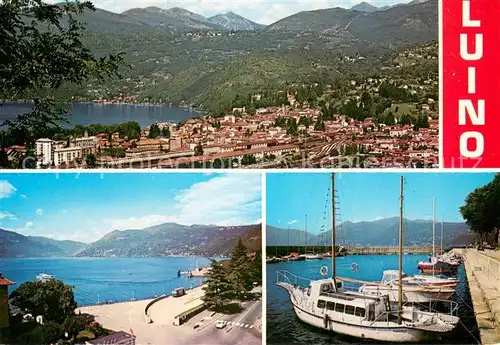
x=283, y=327
x=105, y=280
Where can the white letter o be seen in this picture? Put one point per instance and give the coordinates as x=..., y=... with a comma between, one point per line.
x=464, y=140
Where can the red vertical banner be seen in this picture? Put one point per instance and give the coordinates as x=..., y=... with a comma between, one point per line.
x=470, y=53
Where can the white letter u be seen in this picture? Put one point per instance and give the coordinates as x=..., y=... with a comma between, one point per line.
x=464, y=48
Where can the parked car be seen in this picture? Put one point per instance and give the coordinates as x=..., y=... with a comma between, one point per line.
x=480, y=247
x=221, y=324
x=179, y=292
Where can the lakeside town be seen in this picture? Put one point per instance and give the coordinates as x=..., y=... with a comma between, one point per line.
x=389, y=120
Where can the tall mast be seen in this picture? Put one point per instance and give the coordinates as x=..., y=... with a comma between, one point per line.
x=334, y=269
x=298, y=238
x=305, y=249
x=442, y=228
x=433, y=227
x=400, y=271
x=288, y=240
x=277, y=244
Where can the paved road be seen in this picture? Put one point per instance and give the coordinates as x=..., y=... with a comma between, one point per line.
x=243, y=328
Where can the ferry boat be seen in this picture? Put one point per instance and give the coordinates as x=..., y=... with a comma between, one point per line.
x=325, y=304
x=43, y=277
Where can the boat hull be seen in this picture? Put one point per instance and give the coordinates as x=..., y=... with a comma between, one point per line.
x=389, y=334
x=410, y=296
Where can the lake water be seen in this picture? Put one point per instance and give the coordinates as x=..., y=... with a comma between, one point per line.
x=89, y=113
x=283, y=327
x=96, y=280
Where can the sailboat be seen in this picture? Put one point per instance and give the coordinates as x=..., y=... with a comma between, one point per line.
x=325, y=304
x=437, y=265
x=313, y=255
x=419, y=289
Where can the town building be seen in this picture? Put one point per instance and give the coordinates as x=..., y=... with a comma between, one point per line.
x=44, y=150
x=117, y=338
x=4, y=301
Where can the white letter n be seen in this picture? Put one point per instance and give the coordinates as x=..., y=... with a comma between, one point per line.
x=465, y=106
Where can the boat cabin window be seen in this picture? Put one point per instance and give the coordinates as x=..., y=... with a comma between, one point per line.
x=330, y=305
x=359, y=312
x=309, y=290
x=349, y=309
x=321, y=304
x=327, y=288
x=339, y=307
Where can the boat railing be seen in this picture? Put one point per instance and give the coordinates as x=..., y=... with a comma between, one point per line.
x=436, y=306
x=430, y=307
x=283, y=276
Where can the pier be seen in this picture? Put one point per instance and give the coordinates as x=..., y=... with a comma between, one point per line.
x=351, y=250
x=483, y=276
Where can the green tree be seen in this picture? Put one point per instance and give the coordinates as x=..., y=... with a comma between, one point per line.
x=482, y=209
x=165, y=132
x=320, y=125
x=43, y=50
x=198, y=150
x=91, y=161
x=219, y=290
x=217, y=164
x=52, y=299
x=154, y=131
x=240, y=271
x=248, y=160
x=76, y=323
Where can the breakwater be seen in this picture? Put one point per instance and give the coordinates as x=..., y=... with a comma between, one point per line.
x=483, y=276
x=351, y=250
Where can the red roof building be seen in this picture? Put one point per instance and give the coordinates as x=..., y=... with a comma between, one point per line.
x=4, y=301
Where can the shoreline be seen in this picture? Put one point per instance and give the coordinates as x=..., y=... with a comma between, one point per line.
x=164, y=105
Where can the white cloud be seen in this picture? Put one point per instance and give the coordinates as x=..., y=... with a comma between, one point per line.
x=7, y=215
x=232, y=199
x=6, y=189
x=292, y=222
x=39, y=211
x=29, y=225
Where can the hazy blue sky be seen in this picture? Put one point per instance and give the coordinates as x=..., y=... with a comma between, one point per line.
x=260, y=11
x=85, y=207
x=365, y=197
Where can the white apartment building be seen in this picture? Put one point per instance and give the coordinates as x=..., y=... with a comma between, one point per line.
x=84, y=142
x=48, y=151
x=67, y=155
x=44, y=150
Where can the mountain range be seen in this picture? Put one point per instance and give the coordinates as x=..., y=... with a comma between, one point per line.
x=180, y=57
x=177, y=19
x=13, y=244
x=420, y=15
x=367, y=7
x=383, y=232
x=161, y=240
